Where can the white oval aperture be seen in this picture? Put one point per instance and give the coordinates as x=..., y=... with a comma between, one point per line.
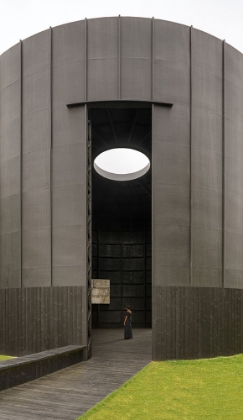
x=122, y=164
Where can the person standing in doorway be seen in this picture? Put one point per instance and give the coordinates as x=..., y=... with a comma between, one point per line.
x=128, y=323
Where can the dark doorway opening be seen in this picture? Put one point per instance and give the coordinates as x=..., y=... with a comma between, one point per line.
x=121, y=217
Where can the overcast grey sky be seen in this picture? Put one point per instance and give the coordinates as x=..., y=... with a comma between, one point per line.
x=22, y=18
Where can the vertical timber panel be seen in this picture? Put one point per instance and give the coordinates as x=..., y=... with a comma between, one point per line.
x=171, y=158
x=36, y=217
x=206, y=165
x=2, y=320
x=89, y=238
x=80, y=333
x=233, y=168
x=186, y=328
x=45, y=315
x=136, y=58
x=69, y=177
x=18, y=309
x=69, y=208
x=10, y=167
x=55, y=323
x=102, y=59
x=50, y=312
x=171, y=169
x=69, y=156
x=65, y=316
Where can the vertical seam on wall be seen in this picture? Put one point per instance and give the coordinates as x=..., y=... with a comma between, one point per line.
x=5, y=320
x=90, y=232
x=152, y=240
x=223, y=163
x=21, y=162
x=98, y=276
x=152, y=182
x=51, y=141
x=86, y=218
x=152, y=59
x=190, y=192
x=119, y=57
x=86, y=59
x=144, y=282
x=122, y=253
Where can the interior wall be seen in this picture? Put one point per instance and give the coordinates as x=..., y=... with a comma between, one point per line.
x=121, y=219
x=124, y=257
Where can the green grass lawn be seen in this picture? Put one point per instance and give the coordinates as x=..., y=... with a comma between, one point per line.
x=186, y=390
x=3, y=357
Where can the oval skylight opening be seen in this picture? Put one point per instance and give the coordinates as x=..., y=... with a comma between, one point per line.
x=121, y=164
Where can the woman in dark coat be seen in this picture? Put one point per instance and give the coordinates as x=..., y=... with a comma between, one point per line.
x=128, y=323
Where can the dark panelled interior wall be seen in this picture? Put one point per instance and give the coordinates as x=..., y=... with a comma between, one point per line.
x=124, y=257
x=122, y=218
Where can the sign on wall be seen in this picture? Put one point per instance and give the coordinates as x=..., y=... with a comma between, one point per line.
x=100, y=291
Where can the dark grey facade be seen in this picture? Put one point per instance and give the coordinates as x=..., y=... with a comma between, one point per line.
x=192, y=83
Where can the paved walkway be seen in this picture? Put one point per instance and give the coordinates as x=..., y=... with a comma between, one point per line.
x=67, y=394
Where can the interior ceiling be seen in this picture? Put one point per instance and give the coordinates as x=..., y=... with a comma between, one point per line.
x=113, y=200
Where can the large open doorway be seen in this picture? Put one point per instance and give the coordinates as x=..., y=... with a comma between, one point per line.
x=121, y=216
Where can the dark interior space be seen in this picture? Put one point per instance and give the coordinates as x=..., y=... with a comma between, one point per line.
x=121, y=218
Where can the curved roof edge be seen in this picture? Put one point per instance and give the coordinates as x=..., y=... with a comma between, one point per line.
x=112, y=17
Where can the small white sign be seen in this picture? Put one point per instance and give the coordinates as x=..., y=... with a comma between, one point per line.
x=100, y=291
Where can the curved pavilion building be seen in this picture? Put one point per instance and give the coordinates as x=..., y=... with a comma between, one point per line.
x=170, y=242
